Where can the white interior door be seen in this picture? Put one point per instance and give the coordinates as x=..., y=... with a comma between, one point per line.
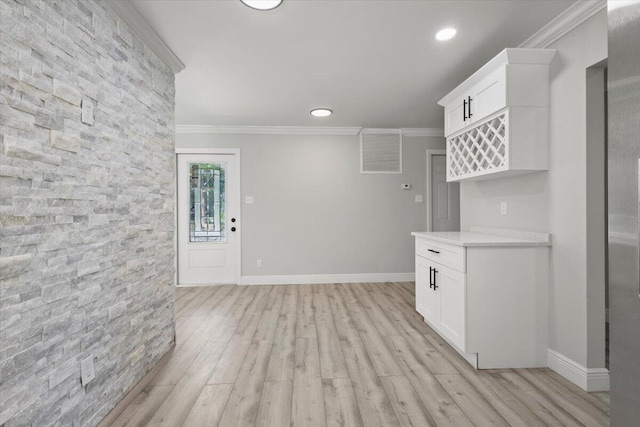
x=208, y=221
x=445, y=197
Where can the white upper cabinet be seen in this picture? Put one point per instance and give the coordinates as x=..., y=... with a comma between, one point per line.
x=497, y=121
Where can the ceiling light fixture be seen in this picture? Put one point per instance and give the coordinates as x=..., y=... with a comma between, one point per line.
x=262, y=4
x=321, y=112
x=446, y=34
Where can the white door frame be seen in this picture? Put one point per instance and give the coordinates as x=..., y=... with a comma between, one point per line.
x=430, y=154
x=236, y=190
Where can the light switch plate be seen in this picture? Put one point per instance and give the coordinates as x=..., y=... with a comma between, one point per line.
x=87, y=370
x=259, y=263
x=87, y=112
x=419, y=198
x=248, y=200
x=503, y=208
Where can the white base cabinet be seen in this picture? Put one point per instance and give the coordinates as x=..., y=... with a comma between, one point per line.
x=489, y=302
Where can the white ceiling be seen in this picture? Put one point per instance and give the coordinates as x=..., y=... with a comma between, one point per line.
x=374, y=62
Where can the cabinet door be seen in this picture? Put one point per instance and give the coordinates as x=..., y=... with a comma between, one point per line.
x=426, y=298
x=454, y=117
x=452, y=311
x=490, y=95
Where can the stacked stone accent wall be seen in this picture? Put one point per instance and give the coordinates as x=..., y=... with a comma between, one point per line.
x=86, y=211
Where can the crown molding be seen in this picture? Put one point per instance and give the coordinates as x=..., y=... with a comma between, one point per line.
x=565, y=22
x=268, y=130
x=143, y=30
x=422, y=131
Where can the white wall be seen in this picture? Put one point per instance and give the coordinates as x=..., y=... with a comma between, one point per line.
x=556, y=200
x=315, y=213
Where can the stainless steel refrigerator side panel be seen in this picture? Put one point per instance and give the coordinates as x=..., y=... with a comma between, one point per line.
x=624, y=164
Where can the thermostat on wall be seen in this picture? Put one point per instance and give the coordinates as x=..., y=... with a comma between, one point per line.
x=406, y=186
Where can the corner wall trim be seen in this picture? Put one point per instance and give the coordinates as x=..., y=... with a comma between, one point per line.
x=564, y=23
x=585, y=378
x=269, y=130
x=327, y=278
x=140, y=27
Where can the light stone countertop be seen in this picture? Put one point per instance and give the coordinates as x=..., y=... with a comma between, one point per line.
x=471, y=239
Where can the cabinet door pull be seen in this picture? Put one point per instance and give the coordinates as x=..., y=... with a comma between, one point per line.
x=434, y=279
x=464, y=110
x=430, y=277
x=434, y=251
x=469, y=105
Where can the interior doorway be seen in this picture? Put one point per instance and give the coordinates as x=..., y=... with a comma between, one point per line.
x=443, y=198
x=596, y=220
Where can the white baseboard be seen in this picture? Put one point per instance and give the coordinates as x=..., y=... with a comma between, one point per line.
x=326, y=278
x=585, y=378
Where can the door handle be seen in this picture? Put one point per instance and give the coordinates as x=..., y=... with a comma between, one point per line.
x=469, y=105
x=464, y=110
x=430, y=277
x=434, y=279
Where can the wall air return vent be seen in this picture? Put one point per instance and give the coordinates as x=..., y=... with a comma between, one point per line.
x=381, y=151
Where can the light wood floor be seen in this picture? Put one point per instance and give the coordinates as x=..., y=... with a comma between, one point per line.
x=337, y=355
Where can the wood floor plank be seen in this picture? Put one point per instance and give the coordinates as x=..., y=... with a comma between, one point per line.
x=341, y=314
x=340, y=403
x=275, y=404
x=379, y=353
x=579, y=408
x=306, y=324
x=600, y=399
x=244, y=401
x=443, y=409
x=176, y=407
x=375, y=407
x=208, y=408
x=544, y=408
x=332, y=364
x=470, y=401
x=229, y=323
x=143, y=407
x=282, y=360
x=267, y=327
x=405, y=402
x=377, y=316
x=228, y=368
x=307, y=406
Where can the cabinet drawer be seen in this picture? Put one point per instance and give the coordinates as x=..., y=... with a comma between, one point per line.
x=448, y=255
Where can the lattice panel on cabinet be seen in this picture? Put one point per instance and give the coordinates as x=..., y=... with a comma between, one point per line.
x=479, y=150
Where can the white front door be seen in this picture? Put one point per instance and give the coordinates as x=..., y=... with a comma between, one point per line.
x=208, y=221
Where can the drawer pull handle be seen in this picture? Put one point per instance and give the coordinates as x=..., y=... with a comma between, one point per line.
x=434, y=251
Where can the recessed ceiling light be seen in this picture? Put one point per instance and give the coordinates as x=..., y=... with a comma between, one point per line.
x=262, y=4
x=446, y=34
x=321, y=112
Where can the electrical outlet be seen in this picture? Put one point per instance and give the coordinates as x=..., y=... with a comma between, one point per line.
x=86, y=115
x=503, y=208
x=259, y=263
x=419, y=198
x=87, y=370
x=248, y=200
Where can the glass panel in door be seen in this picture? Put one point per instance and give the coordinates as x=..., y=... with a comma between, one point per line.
x=207, y=203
